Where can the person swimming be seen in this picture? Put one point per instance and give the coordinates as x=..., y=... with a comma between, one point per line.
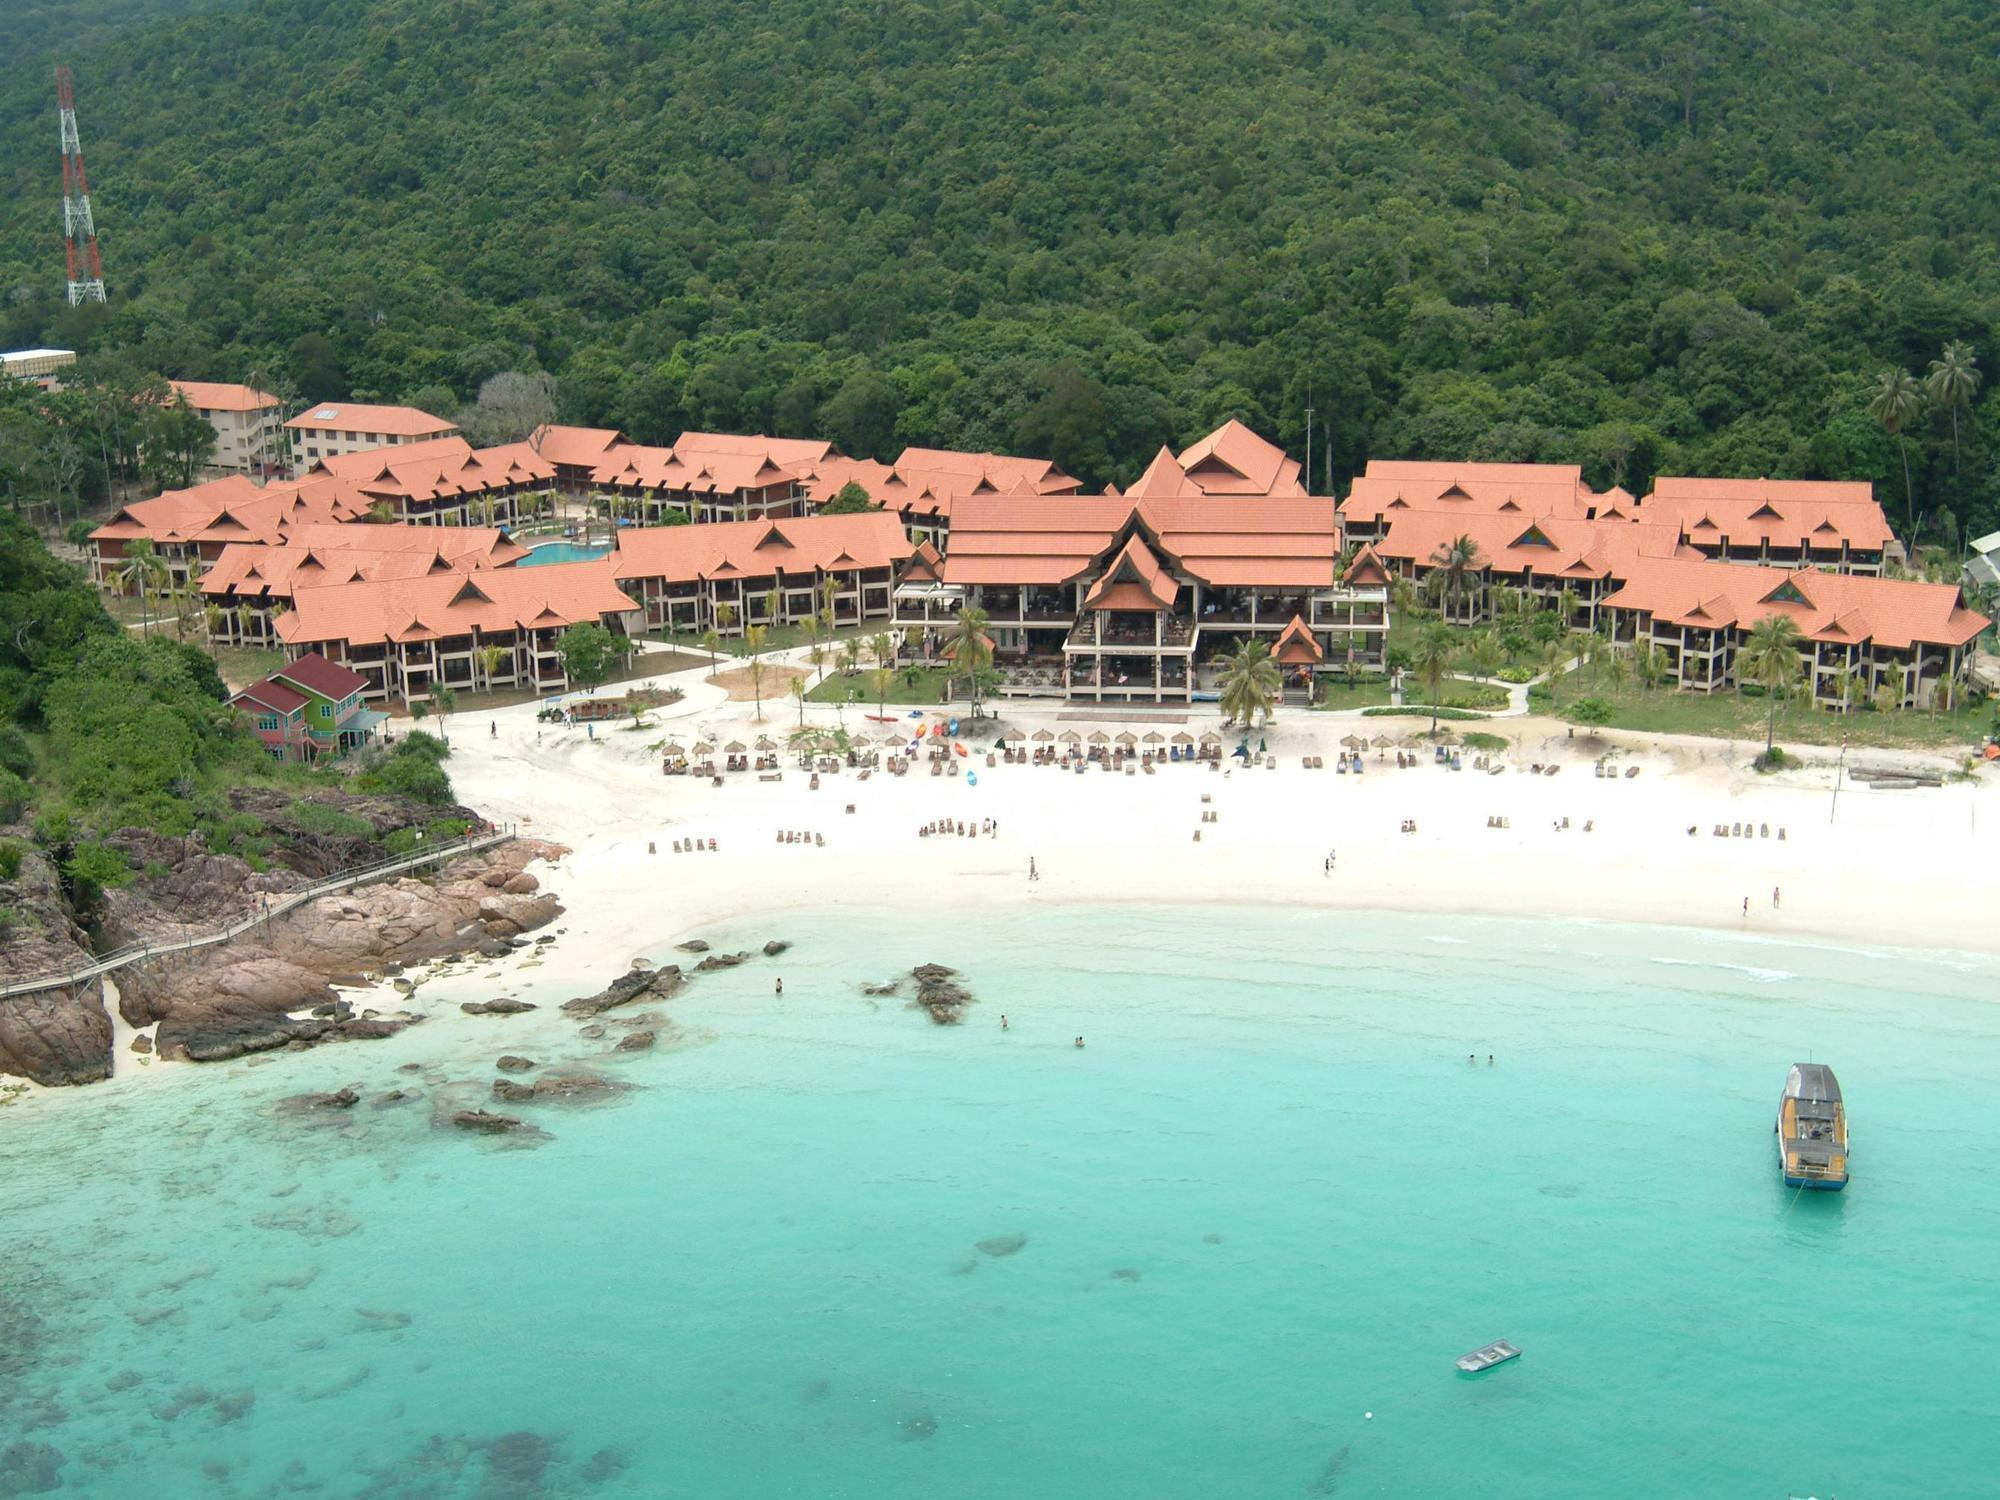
x=781, y=986
x=1079, y=1041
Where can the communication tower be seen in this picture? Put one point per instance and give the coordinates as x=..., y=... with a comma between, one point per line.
x=86, y=272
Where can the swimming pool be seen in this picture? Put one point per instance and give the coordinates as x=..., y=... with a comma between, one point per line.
x=561, y=552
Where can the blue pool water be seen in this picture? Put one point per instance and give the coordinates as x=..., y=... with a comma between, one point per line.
x=1271, y=1195
x=561, y=552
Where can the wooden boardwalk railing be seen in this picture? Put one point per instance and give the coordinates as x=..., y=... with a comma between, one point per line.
x=346, y=880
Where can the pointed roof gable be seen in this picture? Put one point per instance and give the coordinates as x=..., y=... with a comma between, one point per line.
x=1366, y=569
x=1134, y=580
x=469, y=592
x=1163, y=476
x=1296, y=647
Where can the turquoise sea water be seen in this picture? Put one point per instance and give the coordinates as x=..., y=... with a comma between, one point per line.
x=561, y=552
x=1270, y=1196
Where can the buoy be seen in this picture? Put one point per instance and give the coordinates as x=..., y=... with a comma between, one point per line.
x=1368, y=1416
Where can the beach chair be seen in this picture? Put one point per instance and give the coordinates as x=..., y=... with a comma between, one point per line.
x=813, y=785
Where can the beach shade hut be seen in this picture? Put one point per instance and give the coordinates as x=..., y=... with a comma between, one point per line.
x=703, y=747
x=1382, y=743
x=1182, y=737
x=1154, y=737
x=1127, y=737
x=1044, y=735
x=734, y=747
x=1353, y=742
x=1210, y=737
x=1070, y=737
x=674, y=750
x=765, y=742
x=1099, y=737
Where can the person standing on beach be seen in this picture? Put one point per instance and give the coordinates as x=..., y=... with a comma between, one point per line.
x=1774, y=898
x=1746, y=906
x=1033, y=873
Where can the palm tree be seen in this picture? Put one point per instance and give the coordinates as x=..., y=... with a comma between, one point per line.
x=816, y=655
x=1849, y=687
x=712, y=644
x=1770, y=657
x=972, y=650
x=884, y=675
x=1953, y=380
x=1617, y=669
x=490, y=659
x=753, y=637
x=1582, y=645
x=1566, y=603
x=215, y=616
x=1647, y=662
x=828, y=587
x=1455, y=563
x=725, y=616
x=1894, y=407
x=142, y=572
x=882, y=647
x=1485, y=655
x=850, y=655
x=770, y=606
x=1436, y=646
x=245, y=616
x=1555, y=660
x=798, y=691
x=1250, y=684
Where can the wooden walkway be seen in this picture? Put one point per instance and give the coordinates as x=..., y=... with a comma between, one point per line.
x=346, y=880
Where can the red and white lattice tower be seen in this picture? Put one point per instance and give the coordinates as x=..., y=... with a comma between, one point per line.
x=86, y=272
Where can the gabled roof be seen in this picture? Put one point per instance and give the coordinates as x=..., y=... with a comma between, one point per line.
x=758, y=549
x=1550, y=545
x=439, y=605
x=1840, y=608
x=1296, y=646
x=924, y=482
x=315, y=674
x=212, y=395
x=1466, y=490
x=926, y=565
x=776, y=450
x=272, y=694
x=232, y=510
x=1164, y=478
x=1134, y=580
x=575, y=447
x=1787, y=513
x=1366, y=569
x=356, y=416
x=1233, y=460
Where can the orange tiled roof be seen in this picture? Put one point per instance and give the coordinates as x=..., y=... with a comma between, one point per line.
x=1549, y=546
x=355, y=416
x=1841, y=608
x=925, y=481
x=780, y=451
x=231, y=510
x=1783, y=513
x=1380, y=498
x=1057, y=539
x=1296, y=647
x=575, y=447
x=760, y=549
x=454, y=604
x=1133, y=580
x=1820, y=491
x=211, y=395
x=1233, y=460
x=316, y=556
x=443, y=470
x=1446, y=471
x=693, y=471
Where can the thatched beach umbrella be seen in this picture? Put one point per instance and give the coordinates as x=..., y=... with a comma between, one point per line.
x=1070, y=737
x=675, y=749
x=1127, y=737
x=1154, y=737
x=1099, y=737
x=1383, y=742
x=1354, y=742
x=1183, y=738
x=734, y=747
x=703, y=747
x=765, y=742
x=1044, y=735
x=1210, y=737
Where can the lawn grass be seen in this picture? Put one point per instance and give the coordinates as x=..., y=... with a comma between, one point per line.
x=647, y=664
x=1729, y=715
x=1335, y=693
x=242, y=665
x=924, y=691
x=779, y=638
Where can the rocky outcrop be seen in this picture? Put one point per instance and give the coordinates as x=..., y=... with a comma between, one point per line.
x=57, y=1037
x=715, y=961
x=502, y=1007
x=510, y=1063
x=940, y=993
x=485, y=1123
x=509, y=1092
x=776, y=946
x=638, y=1041
x=636, y=984
x=242, y=997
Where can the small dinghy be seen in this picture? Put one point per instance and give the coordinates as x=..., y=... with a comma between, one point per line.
x=1487, y=1356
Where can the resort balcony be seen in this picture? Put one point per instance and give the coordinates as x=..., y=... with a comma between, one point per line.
x=1108, y=630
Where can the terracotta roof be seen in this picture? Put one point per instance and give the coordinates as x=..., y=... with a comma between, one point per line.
x=694, y=472
x=1811, y=491
x=452, y=604
x=272, y=695
x=1550, y=546
x=1056, y=539
x=1366, y=569
x=211, y=395
x=1296, y=647
x=1780, y=512
x=316, y=674
x=926, y=565
x=370, y=461
x=778, y=450
x=1164, y=478
x=446, y=469
x=317, y=556
x=577, y=447
x=1133, y=579
x=1452, y=469
x=355, y=416
x=231, y=510
x=1233, y=460
x=490, y=546
x=925, y=481
x=1837, y=607
x=759, y=549
x=1375, y=498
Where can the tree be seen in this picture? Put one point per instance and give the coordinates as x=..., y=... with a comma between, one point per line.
x=491, y=659
x=861, y=416
x=1951, y=384
x=753, y=637
x=175, y=441
x=588, y=652
x=850, y=655
x=1617, y=669
x=884, y=675
x=1485, y=655
x=1250, y=684
x=511, y=405
x=142, y=571
x=316, y=367
x=445, y=698
x=970, y=650
x=1648, y=663
x=1437, y=645
x=772, y=598
x=1593, y=713
x=725, y=616
x=798, y=691
x=711, y=642
x=1068, y=422
x=849, y=500
x=1555, y=661
x=1769, y=657
x=1453, y=565
x=1894, y=406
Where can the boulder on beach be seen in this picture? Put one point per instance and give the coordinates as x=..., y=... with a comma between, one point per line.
x=638, y=1041
x=502, y=1007
x=512, y=1064
x=692, y=945
x=636, y=984
x=508, y=1091
x=776, y=946
x=940, y=993
x=716, y=961
x=485, y=1123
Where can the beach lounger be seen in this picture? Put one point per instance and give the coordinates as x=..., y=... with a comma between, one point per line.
x=1630, y=772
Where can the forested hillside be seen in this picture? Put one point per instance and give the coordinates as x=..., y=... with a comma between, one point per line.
x=1646, y=235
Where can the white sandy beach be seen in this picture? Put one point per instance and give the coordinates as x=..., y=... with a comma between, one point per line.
x=1894, y=868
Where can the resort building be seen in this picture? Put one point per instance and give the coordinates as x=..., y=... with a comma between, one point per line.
x=1233, y=462
x=710, y=476
x=476, y=631
x=1862, y=639
x=250, y=583
x=309, y=710
x=339, y=427
x=922, y=483
x=1778, y=523
x=1109, y=598
x=249, y=425
x=576, y=452
x=190, y=528
x=38, y=367
x=447, y=482
x=734, y=574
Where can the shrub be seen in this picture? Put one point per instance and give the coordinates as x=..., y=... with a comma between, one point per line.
x=1515, y=674
x=13, y=796
x=324, y=818
x=16, y=754
x=94, y=866
x=1476, y=739
x=10, y=859
x=1449, y=714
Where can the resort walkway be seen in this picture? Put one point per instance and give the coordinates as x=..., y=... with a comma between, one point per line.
x=346, y=880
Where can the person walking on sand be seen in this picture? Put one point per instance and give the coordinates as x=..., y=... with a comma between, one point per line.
x=493, y=729
x=1774, y=898
x=1746, y=906
x=1033, y=873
